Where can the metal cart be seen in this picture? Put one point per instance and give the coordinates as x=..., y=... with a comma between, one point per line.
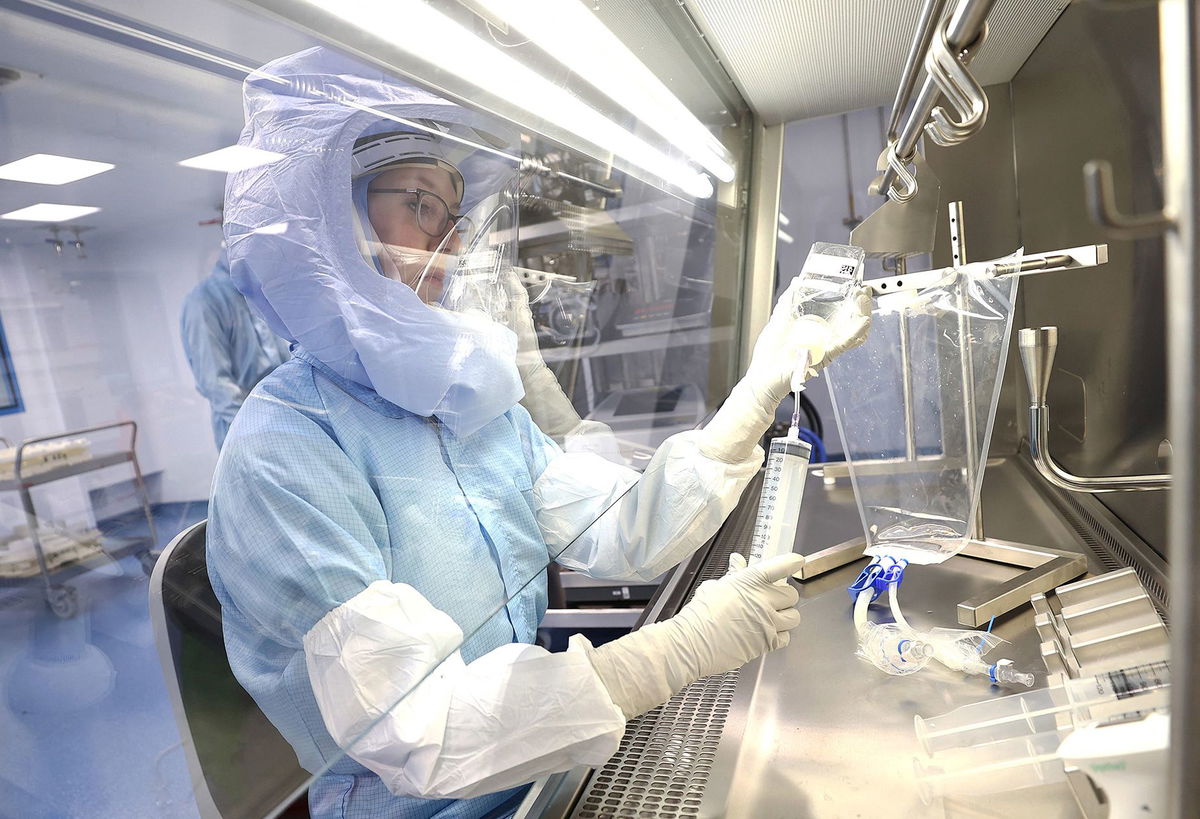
x=61, y=597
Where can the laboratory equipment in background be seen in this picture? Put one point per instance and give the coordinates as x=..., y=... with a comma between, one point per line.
x=45, y=548
x=36, y=458
x=648, y=415
x=624, y=315
x=1127, y=760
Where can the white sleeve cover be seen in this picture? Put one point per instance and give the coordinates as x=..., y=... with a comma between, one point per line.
x=394, y=692
x=677, y=504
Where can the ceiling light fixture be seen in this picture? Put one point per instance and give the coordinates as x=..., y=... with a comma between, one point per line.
x=51, y=169
x=44, y=212
x=231, y=159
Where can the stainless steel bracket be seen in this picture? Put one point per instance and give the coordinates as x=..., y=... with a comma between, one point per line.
x=1101, y=201
x=1045, y=569
x=1052, y=261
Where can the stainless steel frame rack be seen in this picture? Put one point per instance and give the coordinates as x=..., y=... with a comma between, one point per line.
x=61, y=597
x=1045, y=567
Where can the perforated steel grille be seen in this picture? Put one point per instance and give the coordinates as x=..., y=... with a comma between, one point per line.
x=1114, y=551
x=666, y=756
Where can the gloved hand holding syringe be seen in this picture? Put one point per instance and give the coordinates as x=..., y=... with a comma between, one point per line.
x=824, y=311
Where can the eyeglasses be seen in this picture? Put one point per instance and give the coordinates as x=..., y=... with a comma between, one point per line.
x=432, y=214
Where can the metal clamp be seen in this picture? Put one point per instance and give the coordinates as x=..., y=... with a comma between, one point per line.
x=1102, y=206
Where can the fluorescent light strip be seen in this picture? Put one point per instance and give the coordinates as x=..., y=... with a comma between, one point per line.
x=420, y=30
x=569, y=32
x=785, y=237
x=51, y=169
x=783, y=220
x=44, y=212
x=231, y=159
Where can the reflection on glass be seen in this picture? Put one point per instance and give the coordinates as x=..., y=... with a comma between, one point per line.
x=484, y=367
x=10, y=392
x=228, y=346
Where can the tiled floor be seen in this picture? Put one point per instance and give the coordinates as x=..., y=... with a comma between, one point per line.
x=86, y=729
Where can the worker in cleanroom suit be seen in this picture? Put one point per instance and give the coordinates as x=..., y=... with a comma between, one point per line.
x=228, y=347
x=384, y=508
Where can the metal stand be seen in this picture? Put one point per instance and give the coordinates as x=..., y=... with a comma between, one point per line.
x=62, y=597
x=1046, y=568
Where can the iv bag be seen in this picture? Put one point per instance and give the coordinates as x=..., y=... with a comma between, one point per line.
x=918, y=502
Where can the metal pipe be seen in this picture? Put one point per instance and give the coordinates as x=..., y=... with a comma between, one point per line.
x=958, y=248
x=906, y=385
x=967, y=22
x=1179, y=41
x=851, y=219
x=963, y=28
x=1038, y=347
x=1039, y=426
x=931, y=16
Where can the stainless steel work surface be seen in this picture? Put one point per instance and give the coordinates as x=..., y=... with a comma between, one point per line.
x=815, y=731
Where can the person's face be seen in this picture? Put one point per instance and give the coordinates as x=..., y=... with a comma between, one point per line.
x=411, y=254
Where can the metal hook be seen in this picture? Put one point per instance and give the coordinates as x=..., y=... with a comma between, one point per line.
x=960, y=88
x=905, y=179
x=1102, y=206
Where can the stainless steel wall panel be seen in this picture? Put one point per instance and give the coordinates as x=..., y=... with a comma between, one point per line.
x=1090, y=91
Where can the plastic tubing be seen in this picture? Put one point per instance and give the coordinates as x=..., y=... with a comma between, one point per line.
x=861, y=604
x=894, y=602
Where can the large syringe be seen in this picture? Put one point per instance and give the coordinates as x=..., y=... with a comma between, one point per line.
x=1086, y=699
x=779, y=503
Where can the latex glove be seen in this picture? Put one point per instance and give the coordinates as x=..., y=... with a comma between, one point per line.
x=544, y=398
x=750, y=408
x=728, y=622
x=824, y=340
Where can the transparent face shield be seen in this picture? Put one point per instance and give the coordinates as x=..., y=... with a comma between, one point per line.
x=480, y=255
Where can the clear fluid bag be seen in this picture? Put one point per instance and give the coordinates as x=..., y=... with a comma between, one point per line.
x=917, y=501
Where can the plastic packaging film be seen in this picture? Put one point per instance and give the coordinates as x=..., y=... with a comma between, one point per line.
x=951, y=340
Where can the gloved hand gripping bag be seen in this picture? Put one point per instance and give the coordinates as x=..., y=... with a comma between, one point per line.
x=958, y=332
